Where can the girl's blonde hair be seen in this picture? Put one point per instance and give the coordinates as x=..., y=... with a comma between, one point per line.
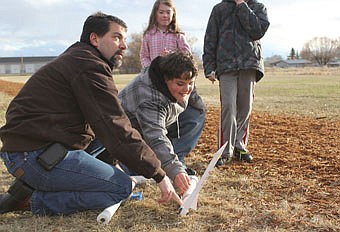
x=173, y=26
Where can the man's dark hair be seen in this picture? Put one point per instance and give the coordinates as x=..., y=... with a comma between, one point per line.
x=177, y=63
x=99, y=23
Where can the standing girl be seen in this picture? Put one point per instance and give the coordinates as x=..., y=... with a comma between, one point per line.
x=163, y=36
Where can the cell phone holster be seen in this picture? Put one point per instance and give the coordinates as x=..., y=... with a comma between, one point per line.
x=50, y=157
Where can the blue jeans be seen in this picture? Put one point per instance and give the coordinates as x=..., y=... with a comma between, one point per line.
x=79, y=182
x=191, y=123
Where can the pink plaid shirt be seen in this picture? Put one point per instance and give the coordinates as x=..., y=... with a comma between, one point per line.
x=155, y=41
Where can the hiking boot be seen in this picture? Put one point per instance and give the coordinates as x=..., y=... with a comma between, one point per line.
x=243, y=156
x=17, y=198
x=190, y=171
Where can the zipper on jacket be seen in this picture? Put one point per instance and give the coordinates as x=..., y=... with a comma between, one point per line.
x=177, y=122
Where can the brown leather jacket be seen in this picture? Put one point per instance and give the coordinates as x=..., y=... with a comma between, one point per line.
x=72, y=100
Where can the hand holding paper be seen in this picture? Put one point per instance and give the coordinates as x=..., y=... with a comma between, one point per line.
x=190, y=202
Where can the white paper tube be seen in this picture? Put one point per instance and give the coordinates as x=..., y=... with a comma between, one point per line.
x=105, y=216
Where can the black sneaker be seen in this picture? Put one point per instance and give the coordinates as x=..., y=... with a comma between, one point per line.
x=243, y=156
x=190, y=171
x=17, y=198
x=222, y=161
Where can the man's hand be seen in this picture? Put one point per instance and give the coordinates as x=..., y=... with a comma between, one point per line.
x=168, y=192
x=182, y=182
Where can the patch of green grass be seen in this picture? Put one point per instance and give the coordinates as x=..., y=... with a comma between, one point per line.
x=311, y=92
x=311, y=95
x=283, y=92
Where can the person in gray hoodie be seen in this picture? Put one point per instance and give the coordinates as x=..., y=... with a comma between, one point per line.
x=153, y=102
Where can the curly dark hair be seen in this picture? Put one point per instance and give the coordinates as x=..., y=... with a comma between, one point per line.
x=178, y=63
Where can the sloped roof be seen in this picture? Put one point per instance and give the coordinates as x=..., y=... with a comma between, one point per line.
x=29, y=59
x=299, y=61
x=334, y=62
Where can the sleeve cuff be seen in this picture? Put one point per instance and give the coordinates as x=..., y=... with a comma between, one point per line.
x=159, y=175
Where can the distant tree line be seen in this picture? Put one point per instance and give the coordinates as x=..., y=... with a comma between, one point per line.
x=320, y=50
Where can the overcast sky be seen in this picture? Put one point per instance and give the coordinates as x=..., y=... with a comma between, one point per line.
x=48, y=27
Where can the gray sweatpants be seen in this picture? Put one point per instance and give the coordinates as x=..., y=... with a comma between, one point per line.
x=237, y=95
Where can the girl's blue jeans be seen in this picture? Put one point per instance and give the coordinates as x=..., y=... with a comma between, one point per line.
x=79, y=182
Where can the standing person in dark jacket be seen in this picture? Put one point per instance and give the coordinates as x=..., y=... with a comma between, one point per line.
x=233, y=55
x=69, y=110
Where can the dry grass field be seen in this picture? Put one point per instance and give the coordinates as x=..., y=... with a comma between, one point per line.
x=293, y=185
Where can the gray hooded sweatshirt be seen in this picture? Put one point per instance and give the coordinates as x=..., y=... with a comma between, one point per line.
x=152, y=109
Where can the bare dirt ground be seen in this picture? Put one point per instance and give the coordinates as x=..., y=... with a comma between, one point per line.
x=296, y=155
x=293, y=185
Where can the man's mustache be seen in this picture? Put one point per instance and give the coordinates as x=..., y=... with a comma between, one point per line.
x=120, y=52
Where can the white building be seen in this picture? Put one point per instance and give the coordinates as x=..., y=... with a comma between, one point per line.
x=299, y=63
x=23, y=65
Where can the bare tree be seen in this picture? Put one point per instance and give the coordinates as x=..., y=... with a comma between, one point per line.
x=337, y=50
x=191, y=41
x=131, y=60
x=320, y=49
